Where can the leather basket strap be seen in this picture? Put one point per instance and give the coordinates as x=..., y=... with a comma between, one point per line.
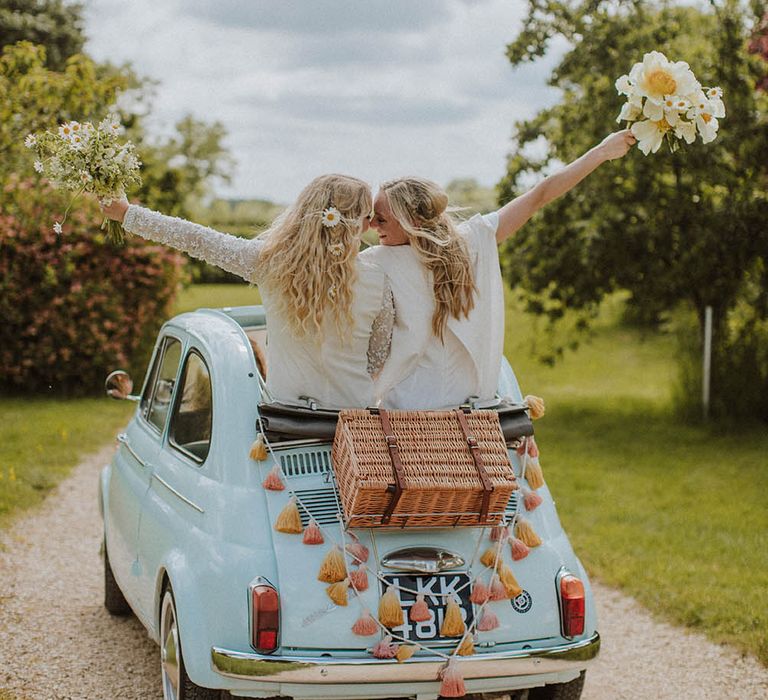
x=477, y=458
x=397, y=465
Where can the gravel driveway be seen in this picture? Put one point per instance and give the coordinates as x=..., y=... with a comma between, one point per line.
x=59, y=642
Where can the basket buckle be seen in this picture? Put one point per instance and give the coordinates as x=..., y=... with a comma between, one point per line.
x=472, y=442
x=391, y=441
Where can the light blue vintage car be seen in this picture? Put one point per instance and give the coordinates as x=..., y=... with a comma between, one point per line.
x=236, y=606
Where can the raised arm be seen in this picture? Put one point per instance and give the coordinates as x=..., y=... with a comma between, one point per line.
x=231, y=253
x=517, y=212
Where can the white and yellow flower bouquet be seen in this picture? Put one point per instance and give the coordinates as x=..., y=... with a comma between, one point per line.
x=81, y=157
x=665, y=101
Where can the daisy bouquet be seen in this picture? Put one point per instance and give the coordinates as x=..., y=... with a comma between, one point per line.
x=81, y=157
x=665, y=101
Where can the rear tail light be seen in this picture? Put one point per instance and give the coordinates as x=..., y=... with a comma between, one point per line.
x=572, y=605
x=265, y=618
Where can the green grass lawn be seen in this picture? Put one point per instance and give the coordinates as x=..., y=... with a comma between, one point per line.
x=675, y=515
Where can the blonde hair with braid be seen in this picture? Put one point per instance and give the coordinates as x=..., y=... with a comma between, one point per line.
x=311, y=266
x=419, y=206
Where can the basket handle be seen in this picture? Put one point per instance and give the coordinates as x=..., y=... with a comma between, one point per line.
x=397, y=465
x=474, y=450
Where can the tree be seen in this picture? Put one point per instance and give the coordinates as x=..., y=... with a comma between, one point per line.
x=51, y=23
x=669, y=228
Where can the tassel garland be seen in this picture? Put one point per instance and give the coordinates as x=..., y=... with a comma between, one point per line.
x=519, y=548
x=452, y=685
x=289, y=520
x=480, y=592
x=419, y=611
x=467, y=646
x=337, y=592
x=524, y=531
x=390, y=612
x=365, y=625
x=532, y=473
x=312, y=534
x=453, y=625
x=385, y=649
x=531, y=499
x=509, y=582
x=333, y=568
x=533, y=448
x=498, y=592
x=535, y=406
x=258, y=449
x=273, y=482
x=358, y=579
x=405, y=652
x=488, y=621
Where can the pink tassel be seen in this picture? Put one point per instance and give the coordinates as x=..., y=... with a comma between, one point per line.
x=498, y=592
x=531, y=499
x=520, y=449
x=533, y=448
x=499, y=532
x=385, y=649
x=365, y=625
x=488, y=621
x=452, y=685
x=358, y=579
x=312, y=534
x=520, y=549
x=419, y=610
x=272, y=481
x=358, y=551
x=480, y=593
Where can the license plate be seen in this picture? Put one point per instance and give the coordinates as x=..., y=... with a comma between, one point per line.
x=429, y=586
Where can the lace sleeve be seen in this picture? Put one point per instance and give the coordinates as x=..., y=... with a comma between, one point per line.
x=381, y=333
x=231, y=253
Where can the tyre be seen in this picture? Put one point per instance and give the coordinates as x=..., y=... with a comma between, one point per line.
x=176, y=683
x=560, y=691
x=114, y=600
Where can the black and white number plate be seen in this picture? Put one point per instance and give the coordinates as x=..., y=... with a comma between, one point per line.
x=429, y=586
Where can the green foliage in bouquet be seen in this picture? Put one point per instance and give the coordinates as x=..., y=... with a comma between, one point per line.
x=72, y=308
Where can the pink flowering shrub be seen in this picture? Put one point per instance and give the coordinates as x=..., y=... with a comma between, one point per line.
x=73, y=307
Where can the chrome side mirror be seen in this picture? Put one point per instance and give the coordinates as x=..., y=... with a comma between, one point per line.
x=119, y=385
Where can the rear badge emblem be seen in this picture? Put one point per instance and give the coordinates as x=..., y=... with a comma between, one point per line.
x=523, y=603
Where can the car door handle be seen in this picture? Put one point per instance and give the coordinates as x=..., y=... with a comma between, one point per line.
x=122, y=438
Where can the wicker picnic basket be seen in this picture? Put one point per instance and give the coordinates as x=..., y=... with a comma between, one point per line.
x=421, y=468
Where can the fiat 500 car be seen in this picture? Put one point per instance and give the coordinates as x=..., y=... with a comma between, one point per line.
x=236, y=606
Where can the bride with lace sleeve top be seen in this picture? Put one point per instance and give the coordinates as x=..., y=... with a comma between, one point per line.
x=329, y=312
x=448, y=337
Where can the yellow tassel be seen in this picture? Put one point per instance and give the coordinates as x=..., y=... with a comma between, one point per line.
x=489, y=557
x=333, y=568
x=509, y=582
x=337, y=592
x=258, y=449
x=453, y=625
x=289, y=520
x=535, y=406
x=467, y=647
x=405, y=651
x=533, y=474
x=390, y=612
x=525, y=532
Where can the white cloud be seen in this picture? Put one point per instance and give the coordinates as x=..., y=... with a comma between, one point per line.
x=375, y=89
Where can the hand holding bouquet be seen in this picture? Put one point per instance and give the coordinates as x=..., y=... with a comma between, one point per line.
x=82, y=157
x=665, y=101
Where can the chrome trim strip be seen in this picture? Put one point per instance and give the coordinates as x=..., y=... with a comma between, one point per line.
x=340, y=670
x=122, y=438
x=177, y=494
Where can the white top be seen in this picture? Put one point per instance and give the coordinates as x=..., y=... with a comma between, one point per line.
x=336, y=372
x=422, y=372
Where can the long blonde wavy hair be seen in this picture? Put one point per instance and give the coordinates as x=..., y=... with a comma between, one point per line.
x=419, y=206
x=311, y=266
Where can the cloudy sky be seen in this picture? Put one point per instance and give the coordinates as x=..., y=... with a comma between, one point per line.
x=373, y=88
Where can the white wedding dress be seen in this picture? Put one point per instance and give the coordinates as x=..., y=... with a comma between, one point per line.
x=422, y=372
x=337, y=371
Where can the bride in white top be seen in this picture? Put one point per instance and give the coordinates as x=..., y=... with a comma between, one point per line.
x=329, y=312
x=448, y=337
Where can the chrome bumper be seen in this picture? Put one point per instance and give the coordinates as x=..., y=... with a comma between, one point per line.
x=302, y=669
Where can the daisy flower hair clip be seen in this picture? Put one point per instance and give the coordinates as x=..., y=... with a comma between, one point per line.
x=331, y=217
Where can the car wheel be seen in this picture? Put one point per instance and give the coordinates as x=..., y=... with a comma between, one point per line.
x=560, y=691
x=114, y=600
x=176, y=683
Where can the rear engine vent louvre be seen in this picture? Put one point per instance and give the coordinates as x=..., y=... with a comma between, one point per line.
x=511, y=508
x=321, y=504
x=306, y=463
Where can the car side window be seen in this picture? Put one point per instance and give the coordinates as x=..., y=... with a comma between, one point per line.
x=157, y=403
x=192, y=419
